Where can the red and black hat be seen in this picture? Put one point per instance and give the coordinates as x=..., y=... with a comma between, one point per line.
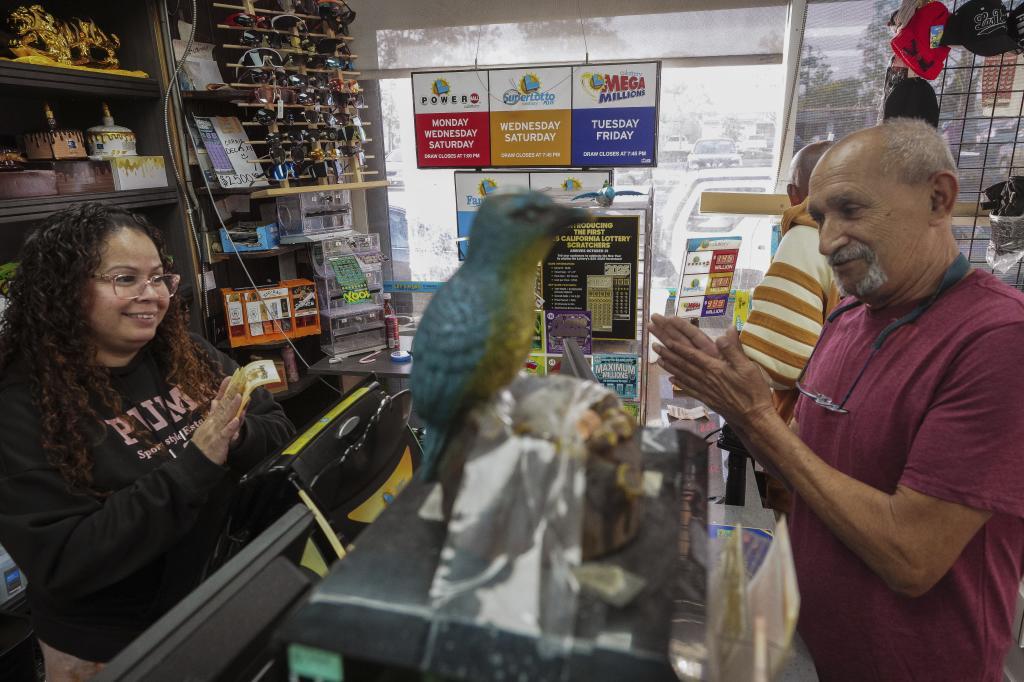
x=918, y=43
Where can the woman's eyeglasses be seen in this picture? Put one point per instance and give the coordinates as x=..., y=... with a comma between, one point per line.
x=129, y=287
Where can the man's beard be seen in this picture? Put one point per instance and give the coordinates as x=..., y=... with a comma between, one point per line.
x=872, y=280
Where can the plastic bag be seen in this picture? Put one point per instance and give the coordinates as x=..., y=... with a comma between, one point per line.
x=514, y=537
x=1006, y=245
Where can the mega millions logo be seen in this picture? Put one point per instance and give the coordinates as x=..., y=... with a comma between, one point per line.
x=612, y=87
x=572, y=185
x=528, y=91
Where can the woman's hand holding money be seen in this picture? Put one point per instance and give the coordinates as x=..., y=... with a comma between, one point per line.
x=223, y=422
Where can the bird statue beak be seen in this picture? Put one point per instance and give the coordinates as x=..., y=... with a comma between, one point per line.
x=569, y=216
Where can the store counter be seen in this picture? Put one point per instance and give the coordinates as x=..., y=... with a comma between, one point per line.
x=375, y=605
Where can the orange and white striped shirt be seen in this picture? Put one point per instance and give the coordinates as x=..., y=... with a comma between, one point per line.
x=790, y=305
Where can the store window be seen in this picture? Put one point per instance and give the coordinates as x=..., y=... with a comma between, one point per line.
x=717, y=132
x=729, y=113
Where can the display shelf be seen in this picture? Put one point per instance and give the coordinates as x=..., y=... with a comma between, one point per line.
x=351, y=75
x=246, y=255
x=228, y=27
x=37, y=208
x=286, y=191
x=283, y=50
x=225, y=345
x=220, y=95
x=240, y=8
x=17, y=77
x=298, y=387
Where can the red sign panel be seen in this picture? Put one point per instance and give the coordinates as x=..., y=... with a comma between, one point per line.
x=724, y=261
x=456, y=139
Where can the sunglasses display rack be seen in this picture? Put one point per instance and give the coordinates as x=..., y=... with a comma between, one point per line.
x=297, y=96
x=299, y=73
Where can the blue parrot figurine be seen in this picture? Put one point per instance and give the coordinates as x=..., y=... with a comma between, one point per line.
x=476, y=332
x=606, y=195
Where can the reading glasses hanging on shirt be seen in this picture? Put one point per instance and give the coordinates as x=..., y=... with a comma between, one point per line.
x=954, y=274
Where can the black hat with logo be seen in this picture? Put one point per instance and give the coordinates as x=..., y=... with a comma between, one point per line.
x=912, y=98
x=980, y=26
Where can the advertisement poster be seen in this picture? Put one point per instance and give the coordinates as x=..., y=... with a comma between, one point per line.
x=707, y=276
x=451, y=112
x=620, y=372
x=531, y=115
x=615, y=114
x=594, y=268
x=472, y=188
x=470, y=191
x=568, y=324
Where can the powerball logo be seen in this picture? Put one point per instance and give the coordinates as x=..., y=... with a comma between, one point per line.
x=441, y=94
x=613, y=87
x=528, y=91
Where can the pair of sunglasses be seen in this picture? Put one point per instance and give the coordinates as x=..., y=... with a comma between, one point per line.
x=246, y=20
x=260, y=57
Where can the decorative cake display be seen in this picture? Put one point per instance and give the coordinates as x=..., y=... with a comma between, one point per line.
x=109, y=140
x=54, y=143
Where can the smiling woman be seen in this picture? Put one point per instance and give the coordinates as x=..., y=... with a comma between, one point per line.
x=115, y=436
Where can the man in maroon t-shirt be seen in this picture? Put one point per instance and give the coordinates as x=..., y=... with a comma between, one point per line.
x=908, y=522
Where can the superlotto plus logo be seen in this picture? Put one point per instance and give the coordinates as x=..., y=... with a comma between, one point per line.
x=572, y=185
x=614, y=87
x=528, y=91
x=441, y=94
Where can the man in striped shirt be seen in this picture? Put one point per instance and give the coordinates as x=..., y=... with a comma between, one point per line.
x=791, y=303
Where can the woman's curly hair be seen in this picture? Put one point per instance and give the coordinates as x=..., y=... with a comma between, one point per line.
x=45, y=329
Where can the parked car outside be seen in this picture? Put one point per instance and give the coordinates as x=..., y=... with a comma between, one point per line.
x=713, y=153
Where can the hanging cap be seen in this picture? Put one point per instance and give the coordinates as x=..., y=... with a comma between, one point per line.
x=918, y=43
x=980, y=26
x=912, y=98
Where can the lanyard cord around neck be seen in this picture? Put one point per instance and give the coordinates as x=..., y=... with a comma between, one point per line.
x=954, y=273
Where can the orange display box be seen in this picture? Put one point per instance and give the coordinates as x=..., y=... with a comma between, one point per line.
x=270, y=314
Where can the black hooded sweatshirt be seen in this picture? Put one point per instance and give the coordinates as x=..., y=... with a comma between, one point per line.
x=101, y=570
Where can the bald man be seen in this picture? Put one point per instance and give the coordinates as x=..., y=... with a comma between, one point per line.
x=908, y=519
x=791, y=303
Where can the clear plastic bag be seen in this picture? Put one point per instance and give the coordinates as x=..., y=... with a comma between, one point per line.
x=514, y=537
x=1006, y=245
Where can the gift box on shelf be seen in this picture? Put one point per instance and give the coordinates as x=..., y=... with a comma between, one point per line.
x=138, y=172
x=28, y=183
x=271, y=314
x=266, y=235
